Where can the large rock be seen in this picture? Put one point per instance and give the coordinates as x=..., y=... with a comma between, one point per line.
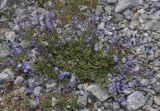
x=157, y=100
x=98, y=92
x=135, y=100
x=124, y=4
x=6, y=74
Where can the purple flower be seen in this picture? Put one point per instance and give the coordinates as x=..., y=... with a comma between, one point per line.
x=25, y=67
x=56, y=69
x=31, y=73
x=29, y=89
x=27, y=24
x=50, y=14
x=94, y=17
x=49, y=23
x=115, y=57
x=13, y=62
x=103, y=33
x=63, y=74
x=121, y=77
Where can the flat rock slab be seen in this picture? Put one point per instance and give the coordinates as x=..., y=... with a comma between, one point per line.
x=98, y=92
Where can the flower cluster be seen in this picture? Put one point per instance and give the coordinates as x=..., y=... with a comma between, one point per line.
x=118, y=83
x=63, y=74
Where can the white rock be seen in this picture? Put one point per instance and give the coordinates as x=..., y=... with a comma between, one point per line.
x=54, y=101
x=98, y=92
x=141, y=11
x=135, y=100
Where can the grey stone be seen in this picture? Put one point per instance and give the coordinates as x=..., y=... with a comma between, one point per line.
x=82, y=100
x=98, y=92
x=108, y=9
x=141, y=11
x=3, y=19
x=112, y=1
x=128, y=91
x=135, y=100
x=3, y=4
x=118, y=17
x=144, y=82
x=157, y=87
x=153, y=80
x=54, y=101
x=6, y=74
x=116, y=106
x=52, y=85
x=18, y=80
x=82, y=8
x=157, y=100
x=85, y=109
x=149, y=108
x=4, y=50
x=99, y=9
x=124, y=4
x=80, y=86
x=37, y=90
x=81, y=92
x=151, y=25
x=128, y=14
x=33, y=103
x=148, y=90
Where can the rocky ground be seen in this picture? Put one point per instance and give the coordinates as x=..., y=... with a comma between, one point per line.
x=116, y=68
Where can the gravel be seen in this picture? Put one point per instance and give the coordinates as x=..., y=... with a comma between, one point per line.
x=133, y=23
